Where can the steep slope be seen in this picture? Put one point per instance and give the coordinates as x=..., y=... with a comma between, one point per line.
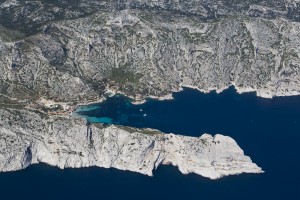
x=28, y=138
x=141, y=53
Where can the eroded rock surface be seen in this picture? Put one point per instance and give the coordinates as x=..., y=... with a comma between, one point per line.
x=57, y=54
x=27, y=138
x=145, y=48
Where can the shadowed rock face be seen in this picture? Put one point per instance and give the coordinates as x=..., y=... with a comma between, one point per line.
x=52, y=50
x=62, y=142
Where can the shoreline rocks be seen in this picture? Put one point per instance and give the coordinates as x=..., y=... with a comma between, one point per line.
x=27, y=138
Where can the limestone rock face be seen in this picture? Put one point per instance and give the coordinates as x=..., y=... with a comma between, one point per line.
x=142, y=52
x=28, y=138
x=57, y=54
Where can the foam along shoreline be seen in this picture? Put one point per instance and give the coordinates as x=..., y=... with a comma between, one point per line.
x=66, y=142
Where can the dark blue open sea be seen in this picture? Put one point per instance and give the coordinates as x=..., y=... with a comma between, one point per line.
x=268, y=130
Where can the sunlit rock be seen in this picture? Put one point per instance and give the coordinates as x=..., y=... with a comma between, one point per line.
x=27, y=138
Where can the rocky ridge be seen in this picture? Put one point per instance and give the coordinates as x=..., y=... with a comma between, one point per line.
x=28, y=138
x=57, y=54
x=144, y=52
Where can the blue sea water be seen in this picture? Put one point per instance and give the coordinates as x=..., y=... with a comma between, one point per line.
x=268, y=130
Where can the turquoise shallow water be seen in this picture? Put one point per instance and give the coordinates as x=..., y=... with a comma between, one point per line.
x=268, y=130
x=87, y=108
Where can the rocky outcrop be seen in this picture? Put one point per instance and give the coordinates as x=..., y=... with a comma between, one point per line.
x=57, y=54
x=30, y=15
x=146, y=53
x=27, y=138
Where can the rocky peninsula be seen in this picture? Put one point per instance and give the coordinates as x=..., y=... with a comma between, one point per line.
x=29, y=138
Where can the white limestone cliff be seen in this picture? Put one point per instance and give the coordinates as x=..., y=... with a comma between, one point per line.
x=28, y=138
